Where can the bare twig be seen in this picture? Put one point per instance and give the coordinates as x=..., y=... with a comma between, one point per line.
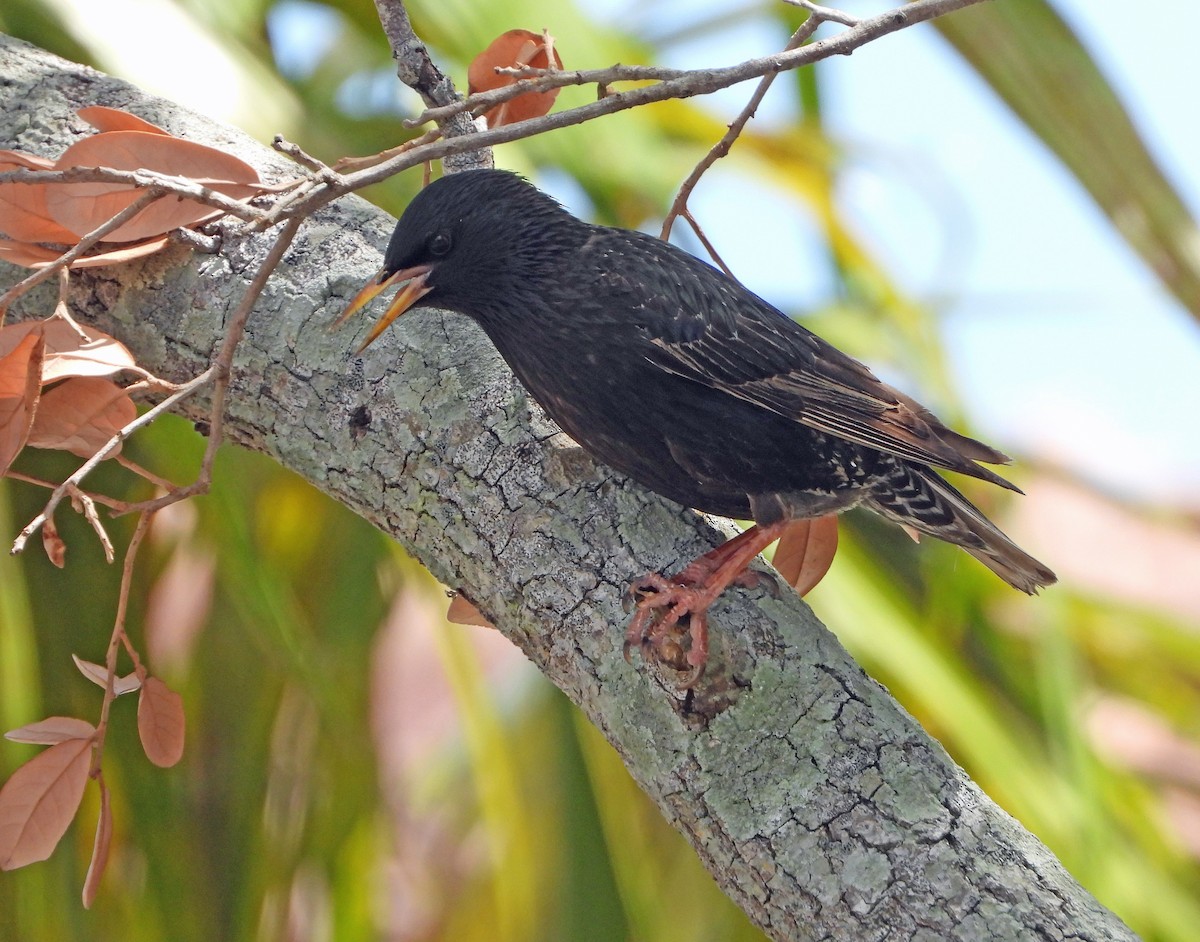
x=708, y=246
x=83, y=503
x=64, y=489
x=142, y=179
x=118, y=636
x=825, y=14
x=417, y=70
x=722, y=147
x=681, y=85
x=220, y=370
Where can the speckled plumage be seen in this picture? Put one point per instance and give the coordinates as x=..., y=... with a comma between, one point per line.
x=672, y=373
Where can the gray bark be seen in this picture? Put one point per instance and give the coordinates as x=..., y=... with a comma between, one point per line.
x=817, y=803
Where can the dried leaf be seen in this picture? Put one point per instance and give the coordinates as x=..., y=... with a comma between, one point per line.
x=25, y=254
x=462, y=612
x=98, y=674
x=100, y=847
x=20, y=388
x=514, y=49
x=80, y=415
x=38, y=802
x=806, y=550
x=51, y=730
x=53, y=544
x=82, y=207
x=160, y=723
x=125, y=253
x=24, y=213
x=26, y=161
x=114, y=119
x=68, y=353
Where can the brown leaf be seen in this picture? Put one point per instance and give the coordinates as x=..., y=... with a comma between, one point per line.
x=81, y=207
x=52, y=730
x=514, y=49
x=53, y=544
x=26, y=161
x=25, y=254
x=38, y=802
x=20, y=388
x=24, y=214
x=114, y=119
x=28, y=255
x=67, y=352
x=100, y=847
x=462, y=612
x=160, y=723
x=80, y=415
x=98, y=674
x=806, y=550
x=125, y=253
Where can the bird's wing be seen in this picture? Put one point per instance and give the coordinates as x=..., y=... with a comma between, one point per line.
x=732, y=340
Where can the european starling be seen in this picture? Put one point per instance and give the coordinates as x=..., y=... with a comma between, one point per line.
x=675, y=375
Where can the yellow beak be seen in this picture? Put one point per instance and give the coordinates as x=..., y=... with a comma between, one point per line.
x=415, y=289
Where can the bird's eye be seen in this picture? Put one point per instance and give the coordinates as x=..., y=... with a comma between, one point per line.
x=439, y=244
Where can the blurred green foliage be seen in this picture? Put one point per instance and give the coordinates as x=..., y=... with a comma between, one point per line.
x=515, y=820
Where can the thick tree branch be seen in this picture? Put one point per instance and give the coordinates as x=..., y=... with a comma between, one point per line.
x=819, y=805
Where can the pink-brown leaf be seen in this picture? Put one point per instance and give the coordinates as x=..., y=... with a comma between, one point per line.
x=100, y=847
x=67, y=352
x=80, y=415
x=20, y=389
x=515, y=49
x=38, y=802
x=25, y=254
x=161, y=723
x=24, y=213
x=462, y=612
x=806, y=550
x=98, y=674
x=114, y=119
x=82, y=207
x=54, y=545
x=53, y=729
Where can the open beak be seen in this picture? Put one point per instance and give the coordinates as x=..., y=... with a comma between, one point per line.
x=414, y=280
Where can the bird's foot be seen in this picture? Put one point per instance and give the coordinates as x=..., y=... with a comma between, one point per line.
x=669, y=624
x=670, y=621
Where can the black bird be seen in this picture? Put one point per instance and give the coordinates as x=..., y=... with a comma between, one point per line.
x=671, y=373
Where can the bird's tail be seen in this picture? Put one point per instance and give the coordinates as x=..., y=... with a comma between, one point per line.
x=916, y=496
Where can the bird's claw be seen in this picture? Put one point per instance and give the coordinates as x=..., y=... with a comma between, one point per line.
x=666, y=612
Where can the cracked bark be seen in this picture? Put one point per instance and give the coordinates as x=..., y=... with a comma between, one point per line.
x=817, y=803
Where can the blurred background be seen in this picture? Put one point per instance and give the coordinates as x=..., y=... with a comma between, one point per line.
x=993, y=211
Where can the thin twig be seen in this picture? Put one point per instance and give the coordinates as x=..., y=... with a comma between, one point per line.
x=416, y=69
x=221, y=369
x=143, y=179
x=185, y=390
x=83, y=503
x=708, y=246
x=687, y=84
x=118, y=635
x=825, y=14
x=723, y=146
x=105, y=501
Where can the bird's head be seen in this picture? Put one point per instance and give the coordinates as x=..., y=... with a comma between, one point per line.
x=465, y=242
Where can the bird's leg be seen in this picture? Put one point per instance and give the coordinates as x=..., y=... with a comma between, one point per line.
x=663, y=603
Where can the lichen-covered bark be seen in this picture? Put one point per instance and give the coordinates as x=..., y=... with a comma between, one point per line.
x=818, y=804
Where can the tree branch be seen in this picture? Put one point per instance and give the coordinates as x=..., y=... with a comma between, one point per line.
x=819, y=805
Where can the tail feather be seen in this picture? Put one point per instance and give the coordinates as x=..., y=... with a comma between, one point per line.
x=916, y=496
